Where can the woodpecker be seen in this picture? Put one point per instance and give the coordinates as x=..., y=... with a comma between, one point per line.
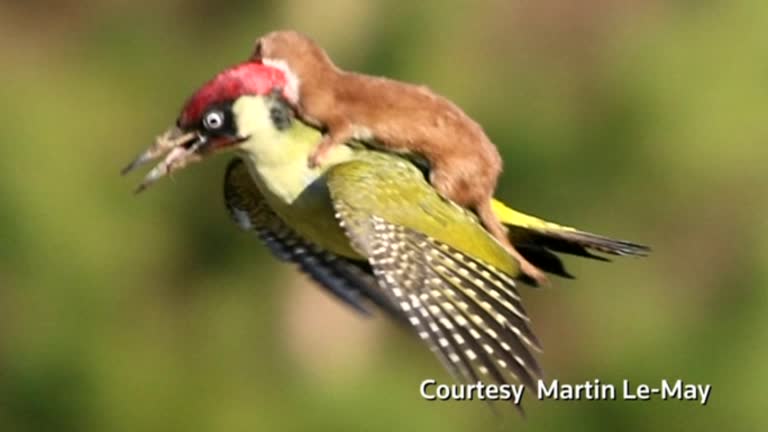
x=368, y=225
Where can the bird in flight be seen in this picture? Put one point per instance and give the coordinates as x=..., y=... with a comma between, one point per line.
x=368, y=226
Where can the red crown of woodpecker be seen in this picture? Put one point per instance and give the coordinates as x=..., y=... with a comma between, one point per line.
x=250, y=77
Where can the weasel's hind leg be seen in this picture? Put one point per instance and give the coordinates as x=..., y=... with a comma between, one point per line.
x=463, y=192
x=491, y=222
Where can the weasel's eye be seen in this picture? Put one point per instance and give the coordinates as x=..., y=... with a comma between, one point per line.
x=213, y=120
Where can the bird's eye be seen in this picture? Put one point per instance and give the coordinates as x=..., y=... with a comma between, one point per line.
x=213, y=120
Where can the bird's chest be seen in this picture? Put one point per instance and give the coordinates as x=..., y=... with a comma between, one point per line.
x=304, y=203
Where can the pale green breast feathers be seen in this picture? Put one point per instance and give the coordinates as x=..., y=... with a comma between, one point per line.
x=277, y=162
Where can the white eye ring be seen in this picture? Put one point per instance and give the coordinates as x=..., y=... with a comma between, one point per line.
x=213, y=120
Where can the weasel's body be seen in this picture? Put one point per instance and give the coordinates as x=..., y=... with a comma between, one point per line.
x=401, y=117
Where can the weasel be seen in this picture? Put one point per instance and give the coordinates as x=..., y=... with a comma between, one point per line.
x=401, y=117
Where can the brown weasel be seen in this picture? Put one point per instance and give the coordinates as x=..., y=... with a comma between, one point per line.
x=401, y=117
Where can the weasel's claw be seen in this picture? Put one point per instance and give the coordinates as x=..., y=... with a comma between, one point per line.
x=314, y=160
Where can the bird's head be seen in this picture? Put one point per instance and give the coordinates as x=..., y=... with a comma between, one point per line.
x=219, y=116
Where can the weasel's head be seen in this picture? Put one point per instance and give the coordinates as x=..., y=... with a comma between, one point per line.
x=297, y=55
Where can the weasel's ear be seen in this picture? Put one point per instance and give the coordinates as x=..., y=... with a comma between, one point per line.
x=257, y=50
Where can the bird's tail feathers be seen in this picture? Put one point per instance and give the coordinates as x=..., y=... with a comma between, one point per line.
x=537, y=239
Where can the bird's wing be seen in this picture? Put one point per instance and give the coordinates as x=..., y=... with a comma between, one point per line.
x=351, y=281
x=536, y=239
x=466, y=310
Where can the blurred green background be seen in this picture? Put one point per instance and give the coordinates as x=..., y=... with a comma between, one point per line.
x=637, y=119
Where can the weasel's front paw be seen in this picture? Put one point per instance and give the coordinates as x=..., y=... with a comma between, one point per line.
x=320, y=154
x=316, y=158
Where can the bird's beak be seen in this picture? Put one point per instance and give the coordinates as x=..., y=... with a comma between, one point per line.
x=180, y=149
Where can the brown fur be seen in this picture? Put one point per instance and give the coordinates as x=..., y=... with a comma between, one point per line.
x=464, y=163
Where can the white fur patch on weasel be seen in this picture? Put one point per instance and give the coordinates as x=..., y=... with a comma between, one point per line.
x=292, y=87
x=362, y=133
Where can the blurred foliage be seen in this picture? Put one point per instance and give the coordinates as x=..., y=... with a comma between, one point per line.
x=642, y=120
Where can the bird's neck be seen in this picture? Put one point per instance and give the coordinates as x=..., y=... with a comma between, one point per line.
x=281, y=165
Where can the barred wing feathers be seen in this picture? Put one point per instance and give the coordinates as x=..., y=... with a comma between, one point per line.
x=463, y=305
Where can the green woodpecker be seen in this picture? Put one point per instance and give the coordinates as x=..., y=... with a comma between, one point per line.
x=369, y=227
